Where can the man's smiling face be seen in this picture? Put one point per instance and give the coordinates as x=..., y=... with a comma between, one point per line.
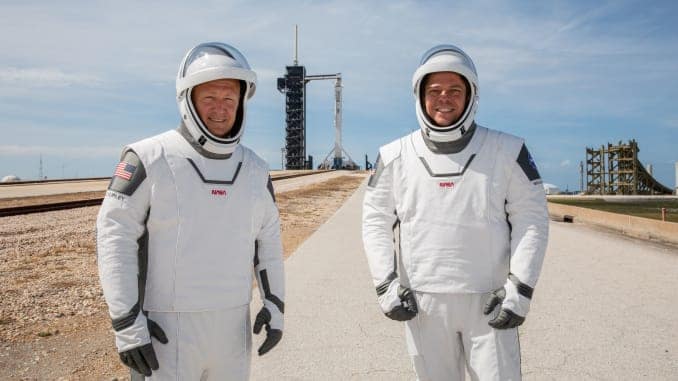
x=444, y=97
x=217, y=104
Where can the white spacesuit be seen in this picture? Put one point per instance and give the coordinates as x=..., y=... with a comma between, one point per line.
x=186, y=221
x=463, y=208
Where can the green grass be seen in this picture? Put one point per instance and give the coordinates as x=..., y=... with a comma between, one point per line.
x=646, y=209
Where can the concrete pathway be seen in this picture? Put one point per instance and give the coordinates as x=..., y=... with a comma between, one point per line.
x=606, y=308
x=334, y=329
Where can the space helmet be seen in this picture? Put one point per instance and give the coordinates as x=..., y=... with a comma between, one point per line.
x=209, y=62
x=443, y=58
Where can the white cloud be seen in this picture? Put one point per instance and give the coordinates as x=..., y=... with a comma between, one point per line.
x=44, y=77
x=565, y=163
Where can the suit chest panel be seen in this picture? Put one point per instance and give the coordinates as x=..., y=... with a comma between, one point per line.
x=205, y=205
x=218, y=194
x=439, y=188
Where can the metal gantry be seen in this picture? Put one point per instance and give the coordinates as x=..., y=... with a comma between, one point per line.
x=293, y=85
x=616, y=170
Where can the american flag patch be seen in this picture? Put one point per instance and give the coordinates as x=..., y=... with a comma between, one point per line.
x=125, y=170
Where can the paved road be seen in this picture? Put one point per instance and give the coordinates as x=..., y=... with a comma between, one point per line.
x=606, y=308
x=37, y=189
x=334, y=328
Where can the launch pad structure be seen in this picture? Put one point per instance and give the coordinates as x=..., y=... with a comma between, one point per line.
x=293, y=85
x=616, y=170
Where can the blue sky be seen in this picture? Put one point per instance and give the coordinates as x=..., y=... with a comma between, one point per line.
x=80, y=79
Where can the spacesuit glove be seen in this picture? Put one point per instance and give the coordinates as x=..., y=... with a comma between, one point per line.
x=142, y=358
x=514, y=298
x=398, y=302
x=273, y=335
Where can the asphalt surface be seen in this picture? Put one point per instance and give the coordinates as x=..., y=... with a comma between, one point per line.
x=605, y=308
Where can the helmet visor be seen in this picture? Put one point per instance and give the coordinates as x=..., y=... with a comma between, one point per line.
x=205, y=54
x=447, y=48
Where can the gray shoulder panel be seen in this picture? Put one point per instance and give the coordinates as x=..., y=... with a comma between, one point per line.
x=376, y=172
x=391, y=151
x=269, y=186
x=129, y=174
x=527, y=164
x=387, y=154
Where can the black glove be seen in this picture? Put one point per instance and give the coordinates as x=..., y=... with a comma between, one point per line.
x=273, y=335
x=506, y=318
x=407, y=308
x=142, y=359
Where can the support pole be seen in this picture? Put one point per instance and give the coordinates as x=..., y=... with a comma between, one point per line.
x=296, y=45
x=337, y=123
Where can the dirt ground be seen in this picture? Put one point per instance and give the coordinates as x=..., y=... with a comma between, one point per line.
x=54, y=323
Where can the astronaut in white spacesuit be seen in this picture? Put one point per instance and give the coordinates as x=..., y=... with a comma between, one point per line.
x=455, y=228
x=188, y=218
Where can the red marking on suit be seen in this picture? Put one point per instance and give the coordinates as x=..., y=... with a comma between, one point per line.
x=446, y=184
x=218, y=192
